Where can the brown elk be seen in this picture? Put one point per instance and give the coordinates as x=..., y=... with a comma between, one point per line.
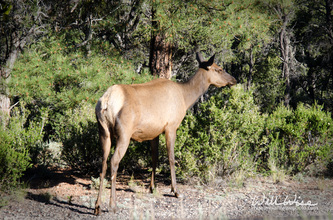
x=143, y=111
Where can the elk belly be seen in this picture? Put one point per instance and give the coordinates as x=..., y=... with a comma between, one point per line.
x=147, y=133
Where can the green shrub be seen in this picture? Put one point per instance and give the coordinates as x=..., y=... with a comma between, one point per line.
x=18, y=140
x=56, y=77
x=300, y=137
x=224, y=137
x=78, y=132
x=229, y=134
x=53, y=74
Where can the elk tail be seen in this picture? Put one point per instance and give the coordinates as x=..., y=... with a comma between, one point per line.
x=109, y=106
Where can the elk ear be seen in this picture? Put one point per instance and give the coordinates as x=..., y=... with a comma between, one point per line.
x=199, y=58
x=211, y=61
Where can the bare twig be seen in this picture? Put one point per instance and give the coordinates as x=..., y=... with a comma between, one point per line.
x=13, y=105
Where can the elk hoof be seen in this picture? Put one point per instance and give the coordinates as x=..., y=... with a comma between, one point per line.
x=178, y=195
x=114, y=209
x=97, y=210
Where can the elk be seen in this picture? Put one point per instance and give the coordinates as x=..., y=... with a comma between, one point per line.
x=143, y=111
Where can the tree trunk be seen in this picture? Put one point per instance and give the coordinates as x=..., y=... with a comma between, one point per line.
x=6, y=70
x=160, y=52
x=5, y=74
x=160, y=63
x=4, y=109
x=285, y=52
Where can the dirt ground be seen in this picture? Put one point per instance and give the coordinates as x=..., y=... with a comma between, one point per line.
x=65, y=195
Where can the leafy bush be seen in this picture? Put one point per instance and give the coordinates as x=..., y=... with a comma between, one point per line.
x=229, y=134
x=269, y=87
x=77, y=131
x=18, y=141
x=53, y=72
x=301, y=137
x=224, y=137
x=55, y=77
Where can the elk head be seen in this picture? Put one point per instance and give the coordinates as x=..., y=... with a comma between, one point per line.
x=216, y=75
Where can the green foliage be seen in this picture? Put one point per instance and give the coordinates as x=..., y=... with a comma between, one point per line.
x=225, y=136
x=79, y=137
x=56, y=78
x=229, y=135
x=53, y=74
x=300, y=137
x=19, y=142
x=269, y=85
x=313, y=26
x=209, y=25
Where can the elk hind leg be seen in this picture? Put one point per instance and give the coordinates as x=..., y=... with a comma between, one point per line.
x=105, y=141
x=121, y=148
x=154, y=154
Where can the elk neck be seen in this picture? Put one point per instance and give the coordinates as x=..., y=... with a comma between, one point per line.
x=195, y=87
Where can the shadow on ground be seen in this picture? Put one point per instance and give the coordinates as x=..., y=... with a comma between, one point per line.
x=46, y=198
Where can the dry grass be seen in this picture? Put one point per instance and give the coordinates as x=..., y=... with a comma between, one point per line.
x=278, y=175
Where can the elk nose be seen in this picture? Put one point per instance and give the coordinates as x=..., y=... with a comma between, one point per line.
x=232, y=82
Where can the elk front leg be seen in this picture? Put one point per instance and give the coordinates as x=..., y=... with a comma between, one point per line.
x=121, y=148
x=170, y=137
x=154, y=154
x=105, y=141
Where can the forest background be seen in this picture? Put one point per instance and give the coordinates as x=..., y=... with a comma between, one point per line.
x=58, y=57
